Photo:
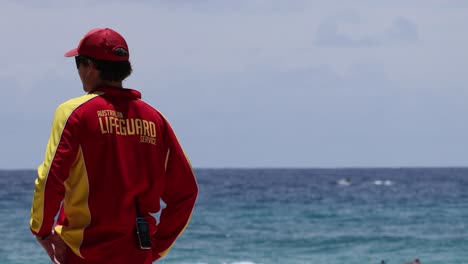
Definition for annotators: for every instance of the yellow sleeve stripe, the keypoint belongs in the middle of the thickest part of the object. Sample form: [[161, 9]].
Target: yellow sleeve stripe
[[62, 114], [167, 159], [76, 205]]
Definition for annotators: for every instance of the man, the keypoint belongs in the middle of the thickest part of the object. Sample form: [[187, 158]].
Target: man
[[109, 161]]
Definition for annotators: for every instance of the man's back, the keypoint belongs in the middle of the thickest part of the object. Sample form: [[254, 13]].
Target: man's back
[[116, 149], [119, 160]]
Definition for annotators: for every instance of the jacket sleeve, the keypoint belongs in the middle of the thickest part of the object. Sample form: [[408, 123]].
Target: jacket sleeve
[[179, 195], [60, 153]]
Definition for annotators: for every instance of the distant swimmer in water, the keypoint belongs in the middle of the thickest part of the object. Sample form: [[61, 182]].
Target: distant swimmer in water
[[382, 262], [416, 261]]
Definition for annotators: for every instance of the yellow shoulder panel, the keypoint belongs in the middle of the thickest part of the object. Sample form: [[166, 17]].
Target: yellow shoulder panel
[[62, 114]]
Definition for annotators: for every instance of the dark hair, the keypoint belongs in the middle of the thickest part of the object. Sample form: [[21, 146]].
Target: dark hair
[[113, 71]]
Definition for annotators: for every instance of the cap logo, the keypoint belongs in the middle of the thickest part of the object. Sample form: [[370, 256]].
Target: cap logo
[[120, 52]]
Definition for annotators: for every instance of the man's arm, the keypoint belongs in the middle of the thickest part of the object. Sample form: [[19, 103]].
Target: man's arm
[[60, 153], [180, 193]]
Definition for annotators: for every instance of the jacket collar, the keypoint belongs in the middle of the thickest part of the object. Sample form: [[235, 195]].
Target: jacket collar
[[115, 91]]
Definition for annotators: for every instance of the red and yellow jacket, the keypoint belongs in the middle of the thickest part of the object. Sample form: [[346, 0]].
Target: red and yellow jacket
[[105, 149]]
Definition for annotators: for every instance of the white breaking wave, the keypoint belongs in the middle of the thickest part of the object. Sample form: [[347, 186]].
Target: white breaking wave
[[386, 182], [344, 182]]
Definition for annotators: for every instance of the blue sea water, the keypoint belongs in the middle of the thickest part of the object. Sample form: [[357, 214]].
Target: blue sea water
[[253, 216]]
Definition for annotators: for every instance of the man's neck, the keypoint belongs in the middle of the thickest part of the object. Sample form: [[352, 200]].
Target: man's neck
[[104, 84], [111, 84]]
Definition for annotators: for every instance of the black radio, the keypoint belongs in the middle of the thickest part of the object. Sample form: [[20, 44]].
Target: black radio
[[142, 232]]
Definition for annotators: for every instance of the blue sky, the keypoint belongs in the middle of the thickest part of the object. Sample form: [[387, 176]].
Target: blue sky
[[257, 83]]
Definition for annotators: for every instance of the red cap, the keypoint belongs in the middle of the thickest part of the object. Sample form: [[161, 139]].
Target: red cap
[[101, 43]]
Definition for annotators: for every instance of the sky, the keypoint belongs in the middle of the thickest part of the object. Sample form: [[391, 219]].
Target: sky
[[257, 83]]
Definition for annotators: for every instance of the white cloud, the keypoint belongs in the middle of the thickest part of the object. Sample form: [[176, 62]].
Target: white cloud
[[344, 32]]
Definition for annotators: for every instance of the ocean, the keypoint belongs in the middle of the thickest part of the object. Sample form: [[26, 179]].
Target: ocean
[[294, 216]]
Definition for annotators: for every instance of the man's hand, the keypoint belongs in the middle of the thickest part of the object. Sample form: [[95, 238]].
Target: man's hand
[[55, 247]]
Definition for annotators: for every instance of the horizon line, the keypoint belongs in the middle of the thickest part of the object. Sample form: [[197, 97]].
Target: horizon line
[[296, 168]]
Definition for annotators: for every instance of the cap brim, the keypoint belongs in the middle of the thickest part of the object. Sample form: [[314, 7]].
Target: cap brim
[[72, 53]]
